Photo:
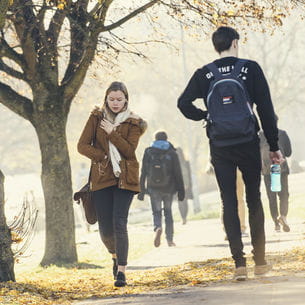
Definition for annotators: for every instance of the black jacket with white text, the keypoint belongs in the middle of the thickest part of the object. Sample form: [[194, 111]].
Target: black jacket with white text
[[257, 87]]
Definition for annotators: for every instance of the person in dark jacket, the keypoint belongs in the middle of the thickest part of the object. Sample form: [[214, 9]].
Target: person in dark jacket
[[228, 155], [161, 178], [285, 147], [187, 178]]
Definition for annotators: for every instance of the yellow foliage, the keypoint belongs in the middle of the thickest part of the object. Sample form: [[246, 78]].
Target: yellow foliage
[[56, 285], [230, 13], [16, 238], [215, 16], [61, 6]]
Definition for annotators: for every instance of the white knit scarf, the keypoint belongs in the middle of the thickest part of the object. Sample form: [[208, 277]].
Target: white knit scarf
[[115, 156]]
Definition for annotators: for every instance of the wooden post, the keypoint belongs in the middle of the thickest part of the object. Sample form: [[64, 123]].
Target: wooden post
[[6, 254]]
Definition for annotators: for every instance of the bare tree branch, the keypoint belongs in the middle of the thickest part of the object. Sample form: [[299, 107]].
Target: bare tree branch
[[9, 52], [55, 26], [42, 12], [72, 84], [128, 17], [83, 3], [10, 71], [95, 9], [144, 42], [40, 54], [79, 40], [15, 102], [124, 44], [47, 54], [24, 22], [101, 10]]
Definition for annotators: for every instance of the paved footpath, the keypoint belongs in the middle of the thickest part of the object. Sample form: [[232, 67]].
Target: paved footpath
[[204, 239], [275, 291]]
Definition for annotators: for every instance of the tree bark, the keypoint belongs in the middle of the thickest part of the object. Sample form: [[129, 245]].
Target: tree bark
[[60, 246], [3, 9], [6, 254]]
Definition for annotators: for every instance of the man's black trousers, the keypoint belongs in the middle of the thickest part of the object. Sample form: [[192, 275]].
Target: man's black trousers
[[225, 161]]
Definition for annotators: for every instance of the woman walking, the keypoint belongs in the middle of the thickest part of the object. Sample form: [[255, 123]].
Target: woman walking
[[110, 139]]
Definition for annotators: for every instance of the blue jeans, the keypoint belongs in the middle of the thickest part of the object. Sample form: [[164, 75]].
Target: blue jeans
[[156, 199]]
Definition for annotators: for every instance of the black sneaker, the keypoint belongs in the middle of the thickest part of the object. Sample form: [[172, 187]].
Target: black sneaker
[[171, 243], [120, 280], [283, 221], [157, 240], [277, 227], [114, 268]]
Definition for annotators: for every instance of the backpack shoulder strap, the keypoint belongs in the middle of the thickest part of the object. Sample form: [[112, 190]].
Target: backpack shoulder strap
[[150, 153], [214, 69], [238, 66]]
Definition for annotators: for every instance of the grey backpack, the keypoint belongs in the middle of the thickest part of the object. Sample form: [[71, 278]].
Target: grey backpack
[[159, 169]]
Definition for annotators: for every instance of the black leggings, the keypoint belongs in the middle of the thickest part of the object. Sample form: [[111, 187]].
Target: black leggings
[[112, 206]]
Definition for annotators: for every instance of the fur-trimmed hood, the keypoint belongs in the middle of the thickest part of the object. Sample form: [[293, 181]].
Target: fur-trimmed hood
[[133, 118]]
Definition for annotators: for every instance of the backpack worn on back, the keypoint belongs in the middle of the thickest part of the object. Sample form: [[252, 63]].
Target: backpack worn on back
[[159, 163], [230, 117]]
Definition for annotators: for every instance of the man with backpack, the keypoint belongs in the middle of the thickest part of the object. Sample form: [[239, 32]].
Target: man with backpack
[[161, 178], [230, 87]]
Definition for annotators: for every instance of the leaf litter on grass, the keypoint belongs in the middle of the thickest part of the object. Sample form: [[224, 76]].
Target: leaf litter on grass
[[54, 285]]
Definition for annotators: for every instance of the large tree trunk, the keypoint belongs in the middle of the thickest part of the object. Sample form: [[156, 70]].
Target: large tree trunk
[[6, 254], [60, 245]]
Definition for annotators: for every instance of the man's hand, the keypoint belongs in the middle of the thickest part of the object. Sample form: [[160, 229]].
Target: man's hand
[[276, 157], [210, 169], [181, 195]]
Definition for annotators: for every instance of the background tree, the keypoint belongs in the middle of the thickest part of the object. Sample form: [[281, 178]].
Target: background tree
[[281, 68], [282, 61], [30, 49]]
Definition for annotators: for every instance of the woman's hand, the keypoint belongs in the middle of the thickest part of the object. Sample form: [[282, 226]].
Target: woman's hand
[[107, 126]]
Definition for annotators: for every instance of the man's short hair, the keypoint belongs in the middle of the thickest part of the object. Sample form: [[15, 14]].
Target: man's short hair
[[222, 38], [161, 135]]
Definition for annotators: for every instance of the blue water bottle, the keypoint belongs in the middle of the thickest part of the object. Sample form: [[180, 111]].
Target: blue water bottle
[[275, 173]]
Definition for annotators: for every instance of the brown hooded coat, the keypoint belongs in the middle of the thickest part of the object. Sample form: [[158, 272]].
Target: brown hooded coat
[[125, 137]]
